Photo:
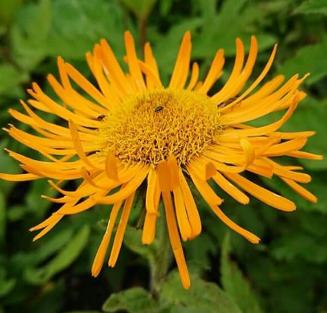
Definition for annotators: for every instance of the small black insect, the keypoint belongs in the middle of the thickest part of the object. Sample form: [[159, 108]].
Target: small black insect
[[101, 117], [158, 109], [227, 102]]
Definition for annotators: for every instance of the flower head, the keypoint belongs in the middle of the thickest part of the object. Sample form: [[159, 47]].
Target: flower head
[[130, 130]]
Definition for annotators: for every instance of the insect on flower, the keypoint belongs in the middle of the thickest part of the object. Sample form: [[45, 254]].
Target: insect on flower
[[201, 138], [226, 103], [158, 108], [101, 117]]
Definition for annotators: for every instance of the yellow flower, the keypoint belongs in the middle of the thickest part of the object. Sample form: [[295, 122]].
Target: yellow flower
[[131, 130]]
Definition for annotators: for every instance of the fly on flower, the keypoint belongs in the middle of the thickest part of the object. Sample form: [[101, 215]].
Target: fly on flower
[[130, 130]]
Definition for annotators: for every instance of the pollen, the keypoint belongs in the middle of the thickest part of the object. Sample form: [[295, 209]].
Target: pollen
[[149, 127]]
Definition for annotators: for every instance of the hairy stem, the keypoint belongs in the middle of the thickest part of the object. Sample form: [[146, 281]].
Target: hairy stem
[[163, 256], [142, 30]]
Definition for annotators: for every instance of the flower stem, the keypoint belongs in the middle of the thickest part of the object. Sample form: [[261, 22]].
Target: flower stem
[[142, 30], [163, 257]]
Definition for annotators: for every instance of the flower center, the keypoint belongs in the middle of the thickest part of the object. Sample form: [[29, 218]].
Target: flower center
[[149, 127]]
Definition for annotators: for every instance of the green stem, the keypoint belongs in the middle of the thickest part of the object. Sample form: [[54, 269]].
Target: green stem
[[142, 30], [160, 263]]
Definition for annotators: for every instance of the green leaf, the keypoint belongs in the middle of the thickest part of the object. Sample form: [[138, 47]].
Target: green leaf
[[84, 23], [300, 245], [165, 6], [2, 31], [235, 284], [133, 240], [34, 202], [51, 299], [54, 243], [29, 39], [83, 312], [313, 223], [185, 309], [7, 10], [10, 78], [6, 284], [7, 163], [16, 213], [201, 297], [200, 249], [134, 300], [311, 115], [64, 259], [309, 59], [219, 32], [140, 8], [313, 7], [3, 218]]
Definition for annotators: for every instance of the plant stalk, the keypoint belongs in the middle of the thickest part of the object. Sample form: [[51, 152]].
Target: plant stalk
[[142, 30], [163, 257]]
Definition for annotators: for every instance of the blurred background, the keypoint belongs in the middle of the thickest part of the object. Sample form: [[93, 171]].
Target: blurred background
[[286, 273]]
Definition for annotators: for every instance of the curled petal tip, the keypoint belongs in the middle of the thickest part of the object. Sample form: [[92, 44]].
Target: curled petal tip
[[128, 34], [246, 201], [314, 200]]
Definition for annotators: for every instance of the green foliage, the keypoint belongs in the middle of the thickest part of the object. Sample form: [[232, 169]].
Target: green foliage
[[83, 312], [7, 10], [29, 40], [201, 297], [133, 240], [311, 113], [134, 300], [65, 257], [300, 245], [140, 8], [307, 57], [2, 219], [86, 23], [313, 7], [235, 284], [6, 284], [10, 77], [217, 27]]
